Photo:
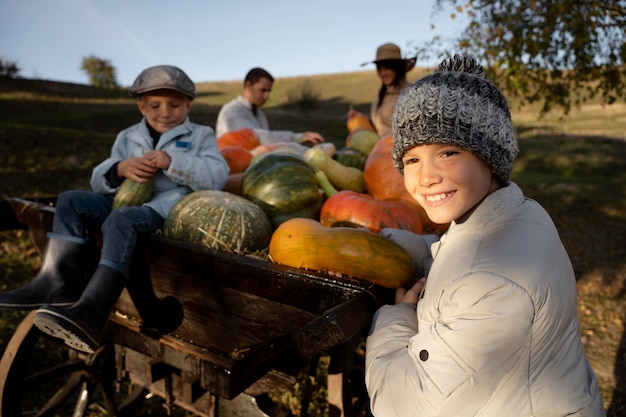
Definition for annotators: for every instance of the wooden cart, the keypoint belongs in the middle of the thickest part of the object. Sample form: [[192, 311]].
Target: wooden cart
[[250, 326]]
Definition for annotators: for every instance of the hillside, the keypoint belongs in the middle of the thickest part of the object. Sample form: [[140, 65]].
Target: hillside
[[336, 93], [52, 134]]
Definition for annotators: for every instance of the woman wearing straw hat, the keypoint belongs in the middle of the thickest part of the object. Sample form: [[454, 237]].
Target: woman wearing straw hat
[[392, 69]]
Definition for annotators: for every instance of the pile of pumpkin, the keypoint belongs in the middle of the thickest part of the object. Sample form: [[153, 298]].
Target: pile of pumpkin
[[318, 207]]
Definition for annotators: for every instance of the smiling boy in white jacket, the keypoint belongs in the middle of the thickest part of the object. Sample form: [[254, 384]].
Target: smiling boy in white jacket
[[492, 330]]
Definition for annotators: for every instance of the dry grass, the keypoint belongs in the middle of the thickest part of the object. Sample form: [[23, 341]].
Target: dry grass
[[581, 182], [587, 120], [51, 135]]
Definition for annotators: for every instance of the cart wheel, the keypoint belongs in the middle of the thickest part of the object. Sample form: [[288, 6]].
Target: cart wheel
[[41, 377]]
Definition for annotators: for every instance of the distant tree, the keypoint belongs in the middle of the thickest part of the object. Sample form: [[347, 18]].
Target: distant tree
[[100, 71], [9, 68], [560, 52]]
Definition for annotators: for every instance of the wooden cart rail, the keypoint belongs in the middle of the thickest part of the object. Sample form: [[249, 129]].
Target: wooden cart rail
[[247, 322]]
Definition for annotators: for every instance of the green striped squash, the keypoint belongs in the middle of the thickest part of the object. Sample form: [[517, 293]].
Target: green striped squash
[[284, 186], [350, 157], [132, 193], [220, 220]]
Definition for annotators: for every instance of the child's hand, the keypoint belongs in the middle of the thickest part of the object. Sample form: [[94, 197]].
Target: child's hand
[[161, 159], [411, 295], [137, 169]]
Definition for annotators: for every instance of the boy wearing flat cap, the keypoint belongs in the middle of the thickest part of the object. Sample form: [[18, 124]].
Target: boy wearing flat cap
[[492, 329], [178, 156]]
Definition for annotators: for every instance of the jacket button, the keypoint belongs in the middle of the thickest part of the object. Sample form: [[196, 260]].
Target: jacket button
[[424, 355]]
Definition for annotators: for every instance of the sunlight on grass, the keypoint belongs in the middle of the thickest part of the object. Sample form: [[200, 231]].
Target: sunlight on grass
[[50, 140], [591, 119]]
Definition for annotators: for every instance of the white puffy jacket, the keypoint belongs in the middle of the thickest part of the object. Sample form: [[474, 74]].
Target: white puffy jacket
[[496, 332]]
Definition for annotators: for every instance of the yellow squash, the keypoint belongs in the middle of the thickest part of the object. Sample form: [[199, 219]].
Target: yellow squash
[[306, 243], [340, 176]]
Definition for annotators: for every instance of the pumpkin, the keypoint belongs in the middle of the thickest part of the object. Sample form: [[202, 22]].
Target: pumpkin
[[246, 138], [380, 176], [238, 158], [340, 176], [306, 243], [220, 220], [408, 215], [350, 157], [383, 181], [292, 147], [132, 193], [284, 186], [358, 120], [362, 140], [347, 208]]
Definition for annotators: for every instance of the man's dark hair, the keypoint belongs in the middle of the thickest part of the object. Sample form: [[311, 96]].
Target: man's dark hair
[[255, 74]]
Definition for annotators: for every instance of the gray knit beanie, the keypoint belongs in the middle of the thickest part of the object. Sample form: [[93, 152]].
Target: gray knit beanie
[[456, 105]]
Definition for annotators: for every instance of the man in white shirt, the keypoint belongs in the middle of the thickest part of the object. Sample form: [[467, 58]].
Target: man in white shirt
[[245, 112]]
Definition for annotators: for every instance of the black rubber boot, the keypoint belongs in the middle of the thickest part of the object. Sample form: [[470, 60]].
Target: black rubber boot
[[61, 279], [81, 325], [159, 316]]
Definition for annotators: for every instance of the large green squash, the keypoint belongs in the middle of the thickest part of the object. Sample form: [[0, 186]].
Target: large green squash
[[350, 157], [284, 186], [220, 220], [132, 193]]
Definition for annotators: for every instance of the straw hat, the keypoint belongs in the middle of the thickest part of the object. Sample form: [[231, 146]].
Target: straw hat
[[391, 52]]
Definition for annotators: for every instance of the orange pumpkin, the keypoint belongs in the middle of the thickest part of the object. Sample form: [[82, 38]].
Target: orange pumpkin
[[238, 158], [246, 138], [383, 181], [359, 121], [270, 147], [349, 208], [380, 176], [306, 243], [408, 215]]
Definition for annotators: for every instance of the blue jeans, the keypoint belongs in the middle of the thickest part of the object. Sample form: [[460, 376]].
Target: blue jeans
[[77, 210]]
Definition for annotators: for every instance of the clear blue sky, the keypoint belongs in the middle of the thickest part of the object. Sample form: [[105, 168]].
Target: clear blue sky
[[211, 40]]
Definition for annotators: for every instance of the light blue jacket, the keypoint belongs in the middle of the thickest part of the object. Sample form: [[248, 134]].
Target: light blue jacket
[[197, 163]]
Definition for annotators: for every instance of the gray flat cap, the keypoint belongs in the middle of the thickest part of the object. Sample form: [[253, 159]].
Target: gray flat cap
[[163, 77]]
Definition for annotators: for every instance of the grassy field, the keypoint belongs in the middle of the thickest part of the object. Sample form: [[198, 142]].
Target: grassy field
[[52, 134]]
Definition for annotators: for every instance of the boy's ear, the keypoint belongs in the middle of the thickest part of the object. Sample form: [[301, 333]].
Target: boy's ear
[[140, 105]]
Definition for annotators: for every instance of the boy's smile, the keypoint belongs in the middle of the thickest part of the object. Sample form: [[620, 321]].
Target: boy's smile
[[164, 109], [434, 199]]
